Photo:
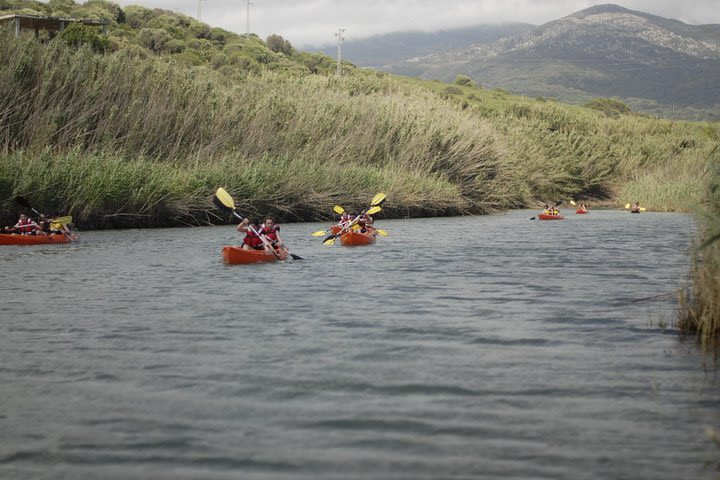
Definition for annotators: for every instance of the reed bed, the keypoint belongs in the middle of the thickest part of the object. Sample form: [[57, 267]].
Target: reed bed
[[113, 131], [106, 191], [121, 141], [699, 312]]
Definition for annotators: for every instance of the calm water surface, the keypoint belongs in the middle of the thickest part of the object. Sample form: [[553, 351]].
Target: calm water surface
[[477, 347]]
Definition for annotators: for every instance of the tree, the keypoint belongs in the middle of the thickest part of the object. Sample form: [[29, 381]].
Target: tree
[[60, 8], [276, 43], [78, 34]]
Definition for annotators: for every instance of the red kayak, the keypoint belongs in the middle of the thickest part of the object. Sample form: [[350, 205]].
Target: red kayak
[[545, 216], [15, 239], [239, 256], [580, 210], [358, 238]]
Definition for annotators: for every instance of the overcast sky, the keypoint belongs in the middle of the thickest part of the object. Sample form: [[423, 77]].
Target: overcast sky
[[313, 22]]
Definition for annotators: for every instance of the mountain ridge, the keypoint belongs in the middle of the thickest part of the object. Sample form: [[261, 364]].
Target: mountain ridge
[[657, 65]]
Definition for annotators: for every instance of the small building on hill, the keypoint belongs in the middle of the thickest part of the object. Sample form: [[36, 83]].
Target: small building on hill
[[50, 24]]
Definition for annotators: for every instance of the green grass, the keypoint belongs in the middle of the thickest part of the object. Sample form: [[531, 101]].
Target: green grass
[[699, 313], [119, 140]]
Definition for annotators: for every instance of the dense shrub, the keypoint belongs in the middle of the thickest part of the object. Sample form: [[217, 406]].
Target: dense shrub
[[611, 107], [77, 34], [464, 80]]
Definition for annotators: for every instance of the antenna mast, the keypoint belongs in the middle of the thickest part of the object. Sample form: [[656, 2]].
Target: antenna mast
[[339, 35], [247, 16]]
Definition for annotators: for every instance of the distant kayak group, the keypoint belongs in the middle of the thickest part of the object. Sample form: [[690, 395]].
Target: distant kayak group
[[552, 212]]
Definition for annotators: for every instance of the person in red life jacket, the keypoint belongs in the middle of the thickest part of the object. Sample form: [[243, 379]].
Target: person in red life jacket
[[344, 219], [252, 240], [24, 226], [365, 221], [271, 232]]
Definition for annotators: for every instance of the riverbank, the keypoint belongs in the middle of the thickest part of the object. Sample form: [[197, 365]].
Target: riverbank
[[119, 141]]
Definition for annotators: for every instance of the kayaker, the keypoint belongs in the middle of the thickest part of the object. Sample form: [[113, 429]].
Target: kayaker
[[43, 225], [57, 227], [547, 210], [365, 221], [252, 240], [344, 219], [25, 225], [635, 208], [271, 232], [352, 223]]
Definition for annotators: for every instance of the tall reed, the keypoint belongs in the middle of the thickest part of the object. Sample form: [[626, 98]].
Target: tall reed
[[700, 303], [123, 141]]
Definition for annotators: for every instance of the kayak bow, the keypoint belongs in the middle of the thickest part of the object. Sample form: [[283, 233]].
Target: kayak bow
[[358, 238], [545, 216], [15, 239], [233, 255]]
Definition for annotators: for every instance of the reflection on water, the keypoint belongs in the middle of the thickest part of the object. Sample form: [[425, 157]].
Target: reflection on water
[[473, 347]]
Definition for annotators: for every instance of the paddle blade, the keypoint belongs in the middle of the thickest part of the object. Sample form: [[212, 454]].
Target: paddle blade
[[381, 232], [572, 202], [374, 209], [627, 205], [338, 209], [295, 257], [319, 233], [21, 201], [220, 204], [225, 198], [329, 241], [63, 220], [532, 218], [642, 209], [377, 199]]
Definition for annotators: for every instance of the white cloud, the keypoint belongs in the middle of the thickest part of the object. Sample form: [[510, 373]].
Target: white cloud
[[306, 22]]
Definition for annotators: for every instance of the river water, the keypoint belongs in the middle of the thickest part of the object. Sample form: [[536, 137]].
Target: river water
[[473, 347]]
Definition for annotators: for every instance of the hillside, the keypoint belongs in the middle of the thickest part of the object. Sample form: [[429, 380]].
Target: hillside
[[131, 136], [656, 65], [383, 51], [178, 38]]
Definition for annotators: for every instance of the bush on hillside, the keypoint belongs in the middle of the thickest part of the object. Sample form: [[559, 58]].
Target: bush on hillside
[[78, 34], [464, 80], [611, 107], [278, 44]]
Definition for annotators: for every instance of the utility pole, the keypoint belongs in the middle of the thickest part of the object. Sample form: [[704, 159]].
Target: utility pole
[[340, 38], [247, 16]]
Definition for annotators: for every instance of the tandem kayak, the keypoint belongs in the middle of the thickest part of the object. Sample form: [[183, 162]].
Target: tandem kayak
[[580, 210], [545, 216], [239, 256], [15, 239], [358, 238]]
